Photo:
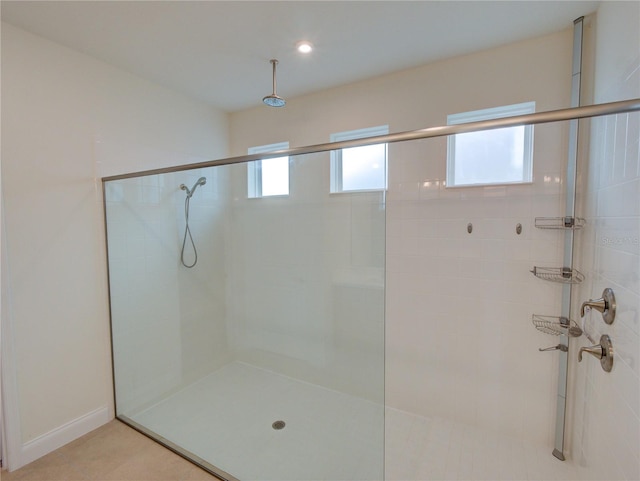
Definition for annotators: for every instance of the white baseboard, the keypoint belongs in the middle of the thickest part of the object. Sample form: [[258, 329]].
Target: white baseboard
[[60, 436]]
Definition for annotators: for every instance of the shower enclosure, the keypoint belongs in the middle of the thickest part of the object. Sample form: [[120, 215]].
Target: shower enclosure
[[352, 336]]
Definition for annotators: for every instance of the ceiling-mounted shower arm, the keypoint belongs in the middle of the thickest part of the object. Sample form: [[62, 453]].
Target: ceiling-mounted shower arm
[[274, 81], [274, 100]]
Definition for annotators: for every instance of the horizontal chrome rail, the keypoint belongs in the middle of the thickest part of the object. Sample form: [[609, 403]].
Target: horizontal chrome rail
[[596, 110]]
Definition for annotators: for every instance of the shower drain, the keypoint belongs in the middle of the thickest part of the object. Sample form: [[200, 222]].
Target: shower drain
[[278, 425]]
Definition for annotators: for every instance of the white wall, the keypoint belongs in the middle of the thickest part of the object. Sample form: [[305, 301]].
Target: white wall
[[67, 120], [459, 338], [606, 406]]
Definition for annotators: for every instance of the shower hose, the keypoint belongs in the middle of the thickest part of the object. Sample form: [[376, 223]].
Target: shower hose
[[187, 233]]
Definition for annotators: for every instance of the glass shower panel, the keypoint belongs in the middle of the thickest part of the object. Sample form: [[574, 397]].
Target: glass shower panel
[[465, 380], [266, 359]]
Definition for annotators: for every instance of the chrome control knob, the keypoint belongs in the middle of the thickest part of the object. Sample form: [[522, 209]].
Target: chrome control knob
[[596, 351], [602, 351], [606, 305]]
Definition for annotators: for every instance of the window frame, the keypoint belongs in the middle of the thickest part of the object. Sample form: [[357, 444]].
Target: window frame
[[488, 114], [335, 186], [254, 170]]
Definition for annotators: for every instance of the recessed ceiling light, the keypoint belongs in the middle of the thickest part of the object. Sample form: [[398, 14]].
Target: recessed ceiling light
[[304, 47]]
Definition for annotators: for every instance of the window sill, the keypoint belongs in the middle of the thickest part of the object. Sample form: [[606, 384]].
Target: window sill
[[501, 184], [363, 191]]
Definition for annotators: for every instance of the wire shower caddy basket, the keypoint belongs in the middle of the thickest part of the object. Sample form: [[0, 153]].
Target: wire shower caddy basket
[[556, 326], [564, 275], [574, 223]]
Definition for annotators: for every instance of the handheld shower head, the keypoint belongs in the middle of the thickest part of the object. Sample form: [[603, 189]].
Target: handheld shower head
[[187, 230], [190, 192], [200, 181]]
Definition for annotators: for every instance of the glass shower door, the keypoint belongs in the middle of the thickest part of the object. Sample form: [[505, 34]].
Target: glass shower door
[[265, 360]]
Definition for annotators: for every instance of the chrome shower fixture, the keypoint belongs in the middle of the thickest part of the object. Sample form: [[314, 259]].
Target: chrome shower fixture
[[274, 100], [187, 229], [200, 181]]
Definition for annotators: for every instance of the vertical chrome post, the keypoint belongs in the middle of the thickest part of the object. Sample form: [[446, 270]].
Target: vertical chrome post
[[570, 211]]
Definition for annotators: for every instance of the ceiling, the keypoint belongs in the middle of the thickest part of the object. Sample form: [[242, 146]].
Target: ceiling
[[219, 51]]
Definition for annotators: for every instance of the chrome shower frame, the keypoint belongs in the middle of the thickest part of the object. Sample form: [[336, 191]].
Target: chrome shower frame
[[595, 110], [568, 241]]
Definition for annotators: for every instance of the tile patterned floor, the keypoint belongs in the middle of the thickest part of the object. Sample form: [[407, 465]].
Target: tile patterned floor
[[114, 452]]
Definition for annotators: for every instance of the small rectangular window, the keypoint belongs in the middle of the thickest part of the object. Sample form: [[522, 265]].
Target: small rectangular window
[[359, 168], [268, 177], [500, 156]]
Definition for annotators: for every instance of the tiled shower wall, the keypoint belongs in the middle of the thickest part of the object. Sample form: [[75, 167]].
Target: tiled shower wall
[[460, 342], [306, 280], [606, 406]]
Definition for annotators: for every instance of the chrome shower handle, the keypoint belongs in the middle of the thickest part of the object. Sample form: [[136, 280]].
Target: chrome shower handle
[[602, 351], [596, 351], [598, 304], [606, 305]]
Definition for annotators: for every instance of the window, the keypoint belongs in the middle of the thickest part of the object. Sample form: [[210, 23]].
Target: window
[[359, 168], [268, 177], [501, 156]]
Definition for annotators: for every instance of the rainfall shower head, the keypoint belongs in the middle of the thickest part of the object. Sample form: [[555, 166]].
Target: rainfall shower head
[[200, 181], [274, 100]]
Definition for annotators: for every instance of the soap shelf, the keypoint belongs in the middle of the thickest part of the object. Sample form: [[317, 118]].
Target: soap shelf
[[556, 325], [564, 275], [559, 223]]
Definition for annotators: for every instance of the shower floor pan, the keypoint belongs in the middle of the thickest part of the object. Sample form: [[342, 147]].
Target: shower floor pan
[[231, 419]]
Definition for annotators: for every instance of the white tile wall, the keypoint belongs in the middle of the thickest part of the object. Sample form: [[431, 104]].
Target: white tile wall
[[306, 295], [460, 343], [612, 254], [605, 420]]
